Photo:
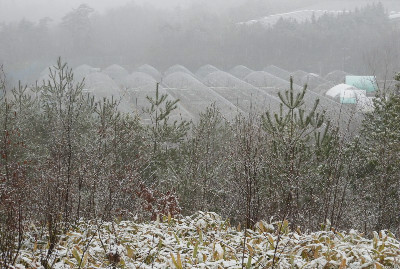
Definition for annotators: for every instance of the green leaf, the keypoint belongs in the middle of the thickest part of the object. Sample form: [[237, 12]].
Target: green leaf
[[130, 252], [248, 265], [196, 248], [76, 255]]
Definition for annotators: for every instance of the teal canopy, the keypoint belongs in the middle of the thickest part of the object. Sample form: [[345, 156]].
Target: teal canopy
[[366, 83], [351, 100]]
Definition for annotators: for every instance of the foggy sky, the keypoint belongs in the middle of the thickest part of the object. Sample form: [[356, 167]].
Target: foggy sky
[[15, 10]]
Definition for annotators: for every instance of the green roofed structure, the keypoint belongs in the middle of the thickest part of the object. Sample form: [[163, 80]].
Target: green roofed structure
[[366, 83]]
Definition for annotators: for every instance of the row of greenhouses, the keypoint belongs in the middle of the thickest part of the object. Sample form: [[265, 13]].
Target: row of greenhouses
[[238, 90]]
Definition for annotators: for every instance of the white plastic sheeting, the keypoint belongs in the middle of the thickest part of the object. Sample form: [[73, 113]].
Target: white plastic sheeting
[[116, 72], [240, 71], [336, 91], [337, 76], [139, 80], [177, 68], [82, 71], [205, 70], [313, 81], [194, 96], [278, 72], [150, 70], [101, 85], [245, 96], [264, 79], [322, 89]]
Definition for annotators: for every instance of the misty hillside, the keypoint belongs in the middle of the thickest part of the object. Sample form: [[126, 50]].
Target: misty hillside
[[358, 42], [241, 9]]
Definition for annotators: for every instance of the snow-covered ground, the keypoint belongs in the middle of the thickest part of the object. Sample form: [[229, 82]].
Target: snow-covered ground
[[205, 240]]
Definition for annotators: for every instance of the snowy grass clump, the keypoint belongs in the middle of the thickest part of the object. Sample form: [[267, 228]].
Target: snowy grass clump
[[205, 240]]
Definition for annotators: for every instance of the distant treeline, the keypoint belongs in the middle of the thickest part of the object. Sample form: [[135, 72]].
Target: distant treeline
[[359, 42]]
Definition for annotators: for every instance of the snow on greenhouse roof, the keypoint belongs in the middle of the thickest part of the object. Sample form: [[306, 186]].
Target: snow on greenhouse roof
[[337, 76], [240, 93], [101, 85], [297, 16], [194, 96], [298, 76], [335, 91], [177, 68], [322, 89], [240, 71], [394, 15], [148, 69], [182, 80], [278, 72], [263, 79], [82, 71], [139, 80], [226, 80], [116, 72], [313, 80], [205, 70]]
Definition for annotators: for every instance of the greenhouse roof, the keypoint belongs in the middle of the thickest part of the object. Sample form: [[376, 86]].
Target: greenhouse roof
[[148, 69], [194, 96], [337, 76], [240, 71], [177, 68], [323, 88], [84, 70], [256, 92], [279, 72], [298, 76], [264, 79], [299, 73], [205, 70], [243, 95], [139, 80], [313, 80], [226, 80], [182, 80], [101, 85], [116, 72], [335, 91]]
